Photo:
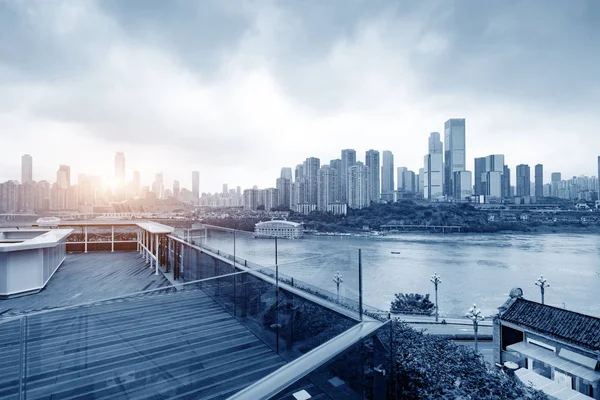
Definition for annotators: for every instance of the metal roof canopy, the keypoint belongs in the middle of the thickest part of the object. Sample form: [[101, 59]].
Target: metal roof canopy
[[155, 227]]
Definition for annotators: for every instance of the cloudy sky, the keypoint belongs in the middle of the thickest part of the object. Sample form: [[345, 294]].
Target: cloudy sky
[[238, 89]]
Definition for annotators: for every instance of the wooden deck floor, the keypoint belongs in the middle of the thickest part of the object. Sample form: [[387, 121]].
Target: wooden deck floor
[[90, 277]]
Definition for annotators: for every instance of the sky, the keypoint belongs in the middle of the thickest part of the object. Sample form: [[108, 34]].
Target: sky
[[239, 89]]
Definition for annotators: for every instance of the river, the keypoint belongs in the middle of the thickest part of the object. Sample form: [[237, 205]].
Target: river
[[475, 268]]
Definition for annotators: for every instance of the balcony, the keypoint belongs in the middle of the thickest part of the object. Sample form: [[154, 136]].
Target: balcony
[[108, 326]]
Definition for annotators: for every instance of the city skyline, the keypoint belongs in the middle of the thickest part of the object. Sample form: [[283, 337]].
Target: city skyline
[[389, 69]]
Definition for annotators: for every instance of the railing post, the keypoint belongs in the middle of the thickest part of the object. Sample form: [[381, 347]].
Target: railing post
[[276, 299], [23, 358], [112, 240], [85, 239], [360, 290], [156, 253]]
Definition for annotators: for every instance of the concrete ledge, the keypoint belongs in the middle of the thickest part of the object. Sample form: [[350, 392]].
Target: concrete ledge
[[464, 336]]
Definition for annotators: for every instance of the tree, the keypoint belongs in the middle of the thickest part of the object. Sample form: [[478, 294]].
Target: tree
[[432, 367], [412, 303]]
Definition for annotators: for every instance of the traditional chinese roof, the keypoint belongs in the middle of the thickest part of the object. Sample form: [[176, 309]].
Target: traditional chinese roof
[[564, 325]]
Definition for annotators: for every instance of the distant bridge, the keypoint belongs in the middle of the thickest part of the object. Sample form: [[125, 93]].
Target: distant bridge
[[434, 228]]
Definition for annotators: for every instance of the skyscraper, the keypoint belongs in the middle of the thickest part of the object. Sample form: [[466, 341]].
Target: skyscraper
[[539, 180], [286, 172], [433, 169], [387, 176], [373, 169], [455, 153], [348, 160], [555, 179], [326, 182], [63, 177], [479, 173], [337, 188], [311, 171], [120, 169], [400, 181], [285, 189], [176, 190], [225, 189], [357, 186], [463, 185], [196, 185], [27, 168], [158, 186], [598, 176], [506, 182], [523, 180], [492, 177]]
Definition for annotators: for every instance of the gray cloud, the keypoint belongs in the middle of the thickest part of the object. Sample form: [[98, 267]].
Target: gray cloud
[[270, 83]]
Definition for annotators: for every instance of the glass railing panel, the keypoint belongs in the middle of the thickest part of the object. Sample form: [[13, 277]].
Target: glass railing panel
[[11, 350]]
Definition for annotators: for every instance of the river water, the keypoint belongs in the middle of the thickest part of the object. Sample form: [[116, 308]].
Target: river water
[[475, 268]]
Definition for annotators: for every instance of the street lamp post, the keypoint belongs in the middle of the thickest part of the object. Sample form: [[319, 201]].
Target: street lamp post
[[474, 314], [436, 280], [337, 278], [542, 283]]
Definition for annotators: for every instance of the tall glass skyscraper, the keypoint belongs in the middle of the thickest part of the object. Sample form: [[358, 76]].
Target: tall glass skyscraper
[[539, 180], [433, 170], [455, 153], [523, 180], [387, 176]]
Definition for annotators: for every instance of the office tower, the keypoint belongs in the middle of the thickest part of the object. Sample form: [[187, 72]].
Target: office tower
[[158, 187], [63, 177], [400, 180], [435, 143], [373, 170], [196, 185], [336, 165], [286, 173], [523, 180], [479, 175], [176, 190], [387, 177], [348, 160], [463, 186], [433, 170], [26, 168], [455, 153], [225, 189], [506, 182], [311, 172], [421, 181], [120, 169], [299, 172], [285, 189], [555, 179], [327, 178], [491, 179], [409, 181], [357, 186], [598, 176], [539, 180]]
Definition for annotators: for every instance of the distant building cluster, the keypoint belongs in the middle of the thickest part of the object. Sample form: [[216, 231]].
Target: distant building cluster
[[347, 183]]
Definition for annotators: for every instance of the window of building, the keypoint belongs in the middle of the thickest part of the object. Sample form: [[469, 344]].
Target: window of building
[[510, 336]]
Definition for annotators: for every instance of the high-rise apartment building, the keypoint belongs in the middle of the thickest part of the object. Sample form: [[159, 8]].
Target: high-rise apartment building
[[433, 170], [311, 172], [387, 177], [357, 186], [326, 181], [420, 182], [539, 181], [26, 168], [455, 153], [491, 179], [479, 172], [348, 160], [598, 176], [158, 186], [225, 189], [400, 181], [336, 165], [373, 169], [523, 180], [286, 173], [409, 181], [196, 185]]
